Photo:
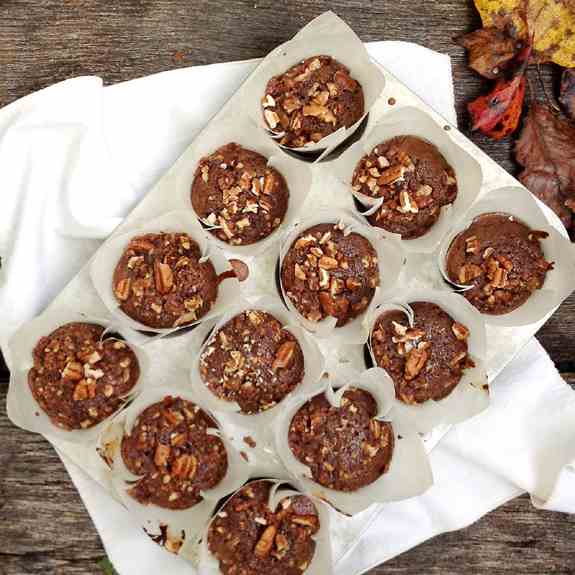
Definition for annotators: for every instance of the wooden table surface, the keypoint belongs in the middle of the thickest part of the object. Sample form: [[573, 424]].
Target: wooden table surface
[[44, 527]]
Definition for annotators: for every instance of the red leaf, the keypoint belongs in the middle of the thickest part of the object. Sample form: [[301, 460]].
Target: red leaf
[[497, 114], [567, 94], [546, 149], [490, 50]]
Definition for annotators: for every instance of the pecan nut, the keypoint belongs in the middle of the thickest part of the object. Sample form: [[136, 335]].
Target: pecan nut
[[460, 331], [416, 360], [284, 355], [163, 277], [73, 370], [266, 541], [122, 289], [161, 455], [185, 466]]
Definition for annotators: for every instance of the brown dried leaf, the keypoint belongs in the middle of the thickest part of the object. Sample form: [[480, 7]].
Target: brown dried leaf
[[490, 50], [546, 149], [567, 93]]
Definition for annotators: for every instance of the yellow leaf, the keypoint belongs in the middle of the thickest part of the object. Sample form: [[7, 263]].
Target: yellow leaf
[[550, 22]]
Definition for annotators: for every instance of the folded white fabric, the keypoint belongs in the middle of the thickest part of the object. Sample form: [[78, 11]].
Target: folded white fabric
[[75, 157]]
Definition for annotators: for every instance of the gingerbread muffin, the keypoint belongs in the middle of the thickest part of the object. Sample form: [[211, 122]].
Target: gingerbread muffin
[[160, 282], [236, 192], [426, 360], [253, 361], [171, 451], [345, 448], [249, 538], [414, 180], [311, 100], [79, 377], [502, 261], [329, 272]]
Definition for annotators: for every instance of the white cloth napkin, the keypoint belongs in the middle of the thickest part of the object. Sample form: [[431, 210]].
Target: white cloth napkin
[[75, 157]]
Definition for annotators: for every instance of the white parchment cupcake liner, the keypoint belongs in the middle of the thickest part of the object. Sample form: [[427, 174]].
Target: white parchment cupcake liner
[[107, 257], [184, 525], [409, 121], [260, 423], [321, 564], [520, 204], [22, 408], [471, 395], [240, 130], [391, 260], [327, 35], [409, 472]]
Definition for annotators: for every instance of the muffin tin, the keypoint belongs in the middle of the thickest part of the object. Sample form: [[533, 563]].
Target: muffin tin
[[170, 356]]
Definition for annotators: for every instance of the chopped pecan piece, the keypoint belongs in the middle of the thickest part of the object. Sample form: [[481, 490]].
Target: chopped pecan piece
[[266, 541], [472, 245], [469, 272], [185, 466], [141, 245], [391, 175], [321, 112], [84, 390], [122, 289], [416, 360], [328, 263], [73, 370], [163, 277], [284, 355], [161, 455], [460, 331], [271, 118]]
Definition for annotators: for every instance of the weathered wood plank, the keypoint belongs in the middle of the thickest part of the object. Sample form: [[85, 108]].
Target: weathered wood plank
[[43, 525]]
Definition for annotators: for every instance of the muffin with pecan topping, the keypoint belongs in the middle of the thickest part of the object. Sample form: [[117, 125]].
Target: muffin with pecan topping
[[328, 272], [79, 377], [249, 538], [161, 282], [425, 360], [172, 452], [253, 361], [344, 447], [311, 100], [414, 181], [238, 195], [501, 260]]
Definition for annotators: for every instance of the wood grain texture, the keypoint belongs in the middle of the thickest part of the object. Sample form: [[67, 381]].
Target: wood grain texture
[[43, 525]]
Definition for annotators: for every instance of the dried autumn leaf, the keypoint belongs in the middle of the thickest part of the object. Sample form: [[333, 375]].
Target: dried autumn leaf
[[549, 22], [497, 114], [490, 50], [546, 150], [567, 93]]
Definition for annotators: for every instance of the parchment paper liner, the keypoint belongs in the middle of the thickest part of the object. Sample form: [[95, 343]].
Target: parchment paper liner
[[189, 522], [391, 260], [107, 257], [321, 563], [559, 282], [410, 121], [260, 423], [326, 35], [409, 473], [471, 395], [236, 128], [21, 405]]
